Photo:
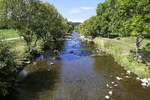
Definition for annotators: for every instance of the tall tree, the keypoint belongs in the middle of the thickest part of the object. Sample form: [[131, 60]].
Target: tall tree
[[36, 21]]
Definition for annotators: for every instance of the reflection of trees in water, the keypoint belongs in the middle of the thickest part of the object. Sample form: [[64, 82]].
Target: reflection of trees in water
[[54, 48], [40, 81], [107, 66]]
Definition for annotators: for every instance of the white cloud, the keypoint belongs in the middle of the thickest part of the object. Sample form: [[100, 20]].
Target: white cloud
[[80, 9], [87, 8]]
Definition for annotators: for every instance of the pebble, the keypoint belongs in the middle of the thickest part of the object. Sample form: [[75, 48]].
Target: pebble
[[144, 80], [118, 78], [137, 78], [143, 84], [107, 97], [116, 85], [128, 72], [107, 85], [127, 76], [113, 82], [110, 92], [51, 63], [27, 62]]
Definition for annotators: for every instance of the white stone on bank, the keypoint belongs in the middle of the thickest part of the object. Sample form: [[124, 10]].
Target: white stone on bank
[[110, 92], [51, 63], [116, 85], [118, 78], [144, 80], [107, 97], [113, 82], [137, 78], [128, 72], [143, 84], [107, 85]]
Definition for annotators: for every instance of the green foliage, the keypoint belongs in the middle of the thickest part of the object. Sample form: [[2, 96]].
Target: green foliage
[[90, 26], [131, 58], [70, 26], [3, 19], [8, 69], [35, 21], [147, 47], [120, 18]]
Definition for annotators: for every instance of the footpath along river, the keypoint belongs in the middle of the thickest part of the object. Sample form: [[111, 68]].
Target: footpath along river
[[78, 75]]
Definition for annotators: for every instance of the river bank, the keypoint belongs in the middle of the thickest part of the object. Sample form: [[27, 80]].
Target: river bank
[[121, 51]]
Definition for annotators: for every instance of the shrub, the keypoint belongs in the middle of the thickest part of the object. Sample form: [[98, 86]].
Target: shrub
[[147, 47], [8, 69]]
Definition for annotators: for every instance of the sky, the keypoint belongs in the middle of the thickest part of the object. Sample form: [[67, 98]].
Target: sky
[[75, 10]]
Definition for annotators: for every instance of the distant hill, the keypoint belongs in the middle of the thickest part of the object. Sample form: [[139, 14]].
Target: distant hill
[[76, 23]]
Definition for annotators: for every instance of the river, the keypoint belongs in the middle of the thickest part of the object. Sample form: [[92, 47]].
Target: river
[[79, 75]]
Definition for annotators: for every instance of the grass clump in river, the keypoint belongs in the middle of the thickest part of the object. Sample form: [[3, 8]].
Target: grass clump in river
[[121, 51]]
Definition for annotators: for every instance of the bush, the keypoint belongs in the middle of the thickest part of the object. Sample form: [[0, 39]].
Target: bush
[[8, 69], [147, 47]]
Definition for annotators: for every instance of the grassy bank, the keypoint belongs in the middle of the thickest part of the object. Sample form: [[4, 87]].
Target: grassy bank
[[8, 33], [18, 46], [121, 51]]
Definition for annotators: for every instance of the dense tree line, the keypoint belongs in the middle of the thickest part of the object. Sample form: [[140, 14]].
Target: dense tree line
[[36, 22], [119, 18]]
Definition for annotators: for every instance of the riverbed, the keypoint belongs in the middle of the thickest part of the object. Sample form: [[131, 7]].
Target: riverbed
[[79, 73]]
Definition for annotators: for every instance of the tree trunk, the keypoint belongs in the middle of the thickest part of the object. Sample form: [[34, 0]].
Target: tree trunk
[[137, 47], [138, 44]]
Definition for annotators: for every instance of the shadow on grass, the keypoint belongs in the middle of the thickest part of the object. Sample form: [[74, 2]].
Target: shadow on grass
[[145, 56]]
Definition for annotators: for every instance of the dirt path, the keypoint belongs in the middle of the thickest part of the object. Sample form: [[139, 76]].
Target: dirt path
[[10, 39]]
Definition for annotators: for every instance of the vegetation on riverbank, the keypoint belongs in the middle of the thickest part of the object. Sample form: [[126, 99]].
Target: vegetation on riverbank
[[17, 46], [8, 69], [121, 51], [124, 28], [38, 23]]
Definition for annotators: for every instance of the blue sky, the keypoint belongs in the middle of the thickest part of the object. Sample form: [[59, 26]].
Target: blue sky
[[76, 10]]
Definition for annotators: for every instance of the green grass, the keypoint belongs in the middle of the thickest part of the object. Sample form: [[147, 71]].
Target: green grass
[[18, 46], [8, 33], [120, 50]]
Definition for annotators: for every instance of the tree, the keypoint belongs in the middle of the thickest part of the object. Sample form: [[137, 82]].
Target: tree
[[136, 19], [3, 16], [120, 18], [36, 21]]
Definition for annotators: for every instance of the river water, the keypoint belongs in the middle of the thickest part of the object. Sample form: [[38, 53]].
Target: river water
[[79, 75]]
